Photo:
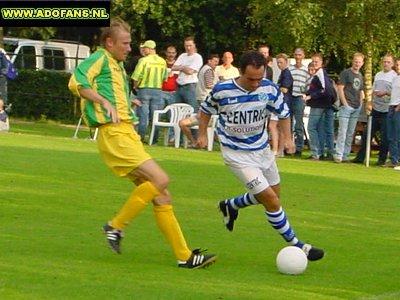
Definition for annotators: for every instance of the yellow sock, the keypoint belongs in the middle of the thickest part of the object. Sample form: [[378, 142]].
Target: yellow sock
[[138, 200], [169, 226]]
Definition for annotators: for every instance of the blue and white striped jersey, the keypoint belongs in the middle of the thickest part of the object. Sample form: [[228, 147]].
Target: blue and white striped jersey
[[242, 114]]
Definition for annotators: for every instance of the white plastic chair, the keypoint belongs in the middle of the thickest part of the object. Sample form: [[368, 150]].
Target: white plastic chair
[[178, 111], [75, 136], [210, 133]]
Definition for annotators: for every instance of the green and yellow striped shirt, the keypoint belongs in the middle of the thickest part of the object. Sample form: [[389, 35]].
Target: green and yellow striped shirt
[[150, 72], [102, 73]]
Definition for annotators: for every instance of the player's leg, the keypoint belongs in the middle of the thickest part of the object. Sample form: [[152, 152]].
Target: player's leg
[[229, 208], [242, 164], [276, 215], [150, 171], [122, 151]]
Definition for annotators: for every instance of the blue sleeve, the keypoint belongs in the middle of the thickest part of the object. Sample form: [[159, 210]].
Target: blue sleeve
[[286, 80], [3, 64], [210, 105]]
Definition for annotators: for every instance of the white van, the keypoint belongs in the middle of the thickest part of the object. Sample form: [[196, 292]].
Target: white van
[[55, 55]]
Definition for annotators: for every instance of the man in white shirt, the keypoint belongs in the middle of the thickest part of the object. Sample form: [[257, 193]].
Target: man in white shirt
[[188, 64], [393, 119]]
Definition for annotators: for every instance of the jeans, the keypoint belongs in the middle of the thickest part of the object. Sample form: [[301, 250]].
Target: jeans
[[393, 134], [151, 100], [326, 133], [320, 130], [168, 99], [296, 107], [378, 124], [3, 88], [348, 117], [187, 94]]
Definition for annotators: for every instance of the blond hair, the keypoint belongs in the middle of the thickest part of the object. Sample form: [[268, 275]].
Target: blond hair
[[116, 25], [358, 54], [282, 55]]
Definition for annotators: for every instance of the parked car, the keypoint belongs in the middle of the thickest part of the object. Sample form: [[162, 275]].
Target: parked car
[[55, 55]]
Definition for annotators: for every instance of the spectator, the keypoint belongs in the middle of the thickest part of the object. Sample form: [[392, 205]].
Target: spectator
[[188, 64], [3, 72], [311, 72], [268, 73], [380, 106], [296, 106], [169, 86], [320, 123], [226, 70], [393, 119], [4, 122], [285, 83], [148, 77], [207, 80], [350, 89]]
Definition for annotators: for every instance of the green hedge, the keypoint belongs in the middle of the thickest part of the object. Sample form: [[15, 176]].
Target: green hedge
[[42, 95]]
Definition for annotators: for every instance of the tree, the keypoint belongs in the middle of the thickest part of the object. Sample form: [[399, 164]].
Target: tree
[[38, 33], [335, 28], [285, 25], [359, 27], [217, 25]]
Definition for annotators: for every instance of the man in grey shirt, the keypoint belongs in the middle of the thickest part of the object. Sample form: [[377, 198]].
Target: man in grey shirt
[[380, 106], [350, 89]]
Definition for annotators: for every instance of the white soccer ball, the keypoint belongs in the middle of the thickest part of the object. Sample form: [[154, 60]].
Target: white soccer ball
[[291, 260]]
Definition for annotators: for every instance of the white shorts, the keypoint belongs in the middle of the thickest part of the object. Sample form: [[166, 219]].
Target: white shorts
[[257, 170]]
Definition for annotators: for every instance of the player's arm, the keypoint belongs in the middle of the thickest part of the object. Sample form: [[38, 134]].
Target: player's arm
[[81, 83], [284, 125], [93, 96]]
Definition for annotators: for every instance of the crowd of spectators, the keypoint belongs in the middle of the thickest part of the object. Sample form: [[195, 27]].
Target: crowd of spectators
[[185, 79]]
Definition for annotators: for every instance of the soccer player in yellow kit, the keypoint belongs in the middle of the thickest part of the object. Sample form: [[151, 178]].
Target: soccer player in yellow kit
[[102, 83]]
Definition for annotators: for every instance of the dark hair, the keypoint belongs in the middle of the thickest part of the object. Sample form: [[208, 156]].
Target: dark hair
[[213, 55], [263, 46], [251, 58]]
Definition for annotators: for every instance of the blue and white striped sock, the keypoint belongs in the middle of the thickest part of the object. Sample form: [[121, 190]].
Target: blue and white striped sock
[[242, 201], [280, 223]]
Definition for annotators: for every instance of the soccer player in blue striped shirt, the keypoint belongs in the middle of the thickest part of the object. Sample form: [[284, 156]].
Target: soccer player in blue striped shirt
[[243, 104]]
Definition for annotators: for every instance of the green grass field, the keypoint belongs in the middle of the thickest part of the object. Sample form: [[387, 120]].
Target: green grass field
[[56, 194]]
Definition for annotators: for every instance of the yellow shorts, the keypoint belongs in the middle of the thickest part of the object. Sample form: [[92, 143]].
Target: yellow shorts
[[121, 148]]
